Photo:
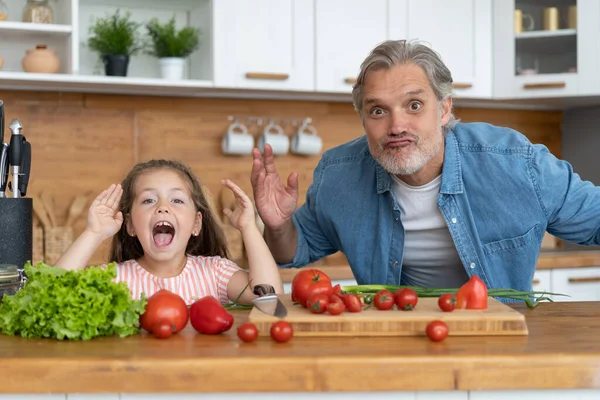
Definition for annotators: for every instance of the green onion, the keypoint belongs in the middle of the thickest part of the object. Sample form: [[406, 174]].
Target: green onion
[[531, 298]]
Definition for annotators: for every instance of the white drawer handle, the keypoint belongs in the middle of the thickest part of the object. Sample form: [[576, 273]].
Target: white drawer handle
[[590, 279]]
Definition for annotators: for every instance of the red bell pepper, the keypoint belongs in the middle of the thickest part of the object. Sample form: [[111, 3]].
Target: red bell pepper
[[208, 315], [472, 295]]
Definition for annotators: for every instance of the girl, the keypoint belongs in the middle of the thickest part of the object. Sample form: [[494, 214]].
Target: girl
[[168, 238]]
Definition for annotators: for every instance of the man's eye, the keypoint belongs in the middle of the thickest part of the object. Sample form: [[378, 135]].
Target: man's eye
[[415, 106], [376, 111]]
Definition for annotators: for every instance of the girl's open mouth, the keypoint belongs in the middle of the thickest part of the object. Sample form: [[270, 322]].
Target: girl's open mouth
[[163, 233]]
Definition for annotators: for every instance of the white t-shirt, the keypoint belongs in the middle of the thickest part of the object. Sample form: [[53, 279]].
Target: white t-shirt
[[430, 258]]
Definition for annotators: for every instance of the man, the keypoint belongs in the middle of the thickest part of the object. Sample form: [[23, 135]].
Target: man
[[422, 199]]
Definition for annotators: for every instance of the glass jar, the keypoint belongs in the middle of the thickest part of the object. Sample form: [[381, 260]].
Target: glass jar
[[10, 280], [38, 11], [3, 11]]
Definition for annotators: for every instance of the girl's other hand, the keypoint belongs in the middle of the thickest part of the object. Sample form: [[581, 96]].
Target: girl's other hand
[[104, 219], [242, 216]]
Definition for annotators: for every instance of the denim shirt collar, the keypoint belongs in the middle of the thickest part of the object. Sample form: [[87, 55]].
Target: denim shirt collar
[[452, 182]]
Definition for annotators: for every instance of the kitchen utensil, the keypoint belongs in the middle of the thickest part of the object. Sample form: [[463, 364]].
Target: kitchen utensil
[[3, 169], [25, 168], [15, 154], [550, 19], [1, 121], [268, 302], [77, 207], [497, 319]]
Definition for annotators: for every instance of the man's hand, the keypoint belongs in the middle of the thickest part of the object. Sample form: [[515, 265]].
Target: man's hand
[[275, 203]]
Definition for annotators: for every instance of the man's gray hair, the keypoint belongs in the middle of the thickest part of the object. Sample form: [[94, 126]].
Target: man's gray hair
[[391, 53]]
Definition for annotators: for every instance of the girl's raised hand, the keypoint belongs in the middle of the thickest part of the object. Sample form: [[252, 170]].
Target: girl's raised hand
[[242, 216], [104, 219]]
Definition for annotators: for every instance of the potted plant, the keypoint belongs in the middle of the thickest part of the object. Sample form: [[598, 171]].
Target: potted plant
[[171, 46], [115, 38]]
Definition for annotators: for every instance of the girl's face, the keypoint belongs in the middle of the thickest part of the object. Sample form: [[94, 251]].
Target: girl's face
[[163, 215]]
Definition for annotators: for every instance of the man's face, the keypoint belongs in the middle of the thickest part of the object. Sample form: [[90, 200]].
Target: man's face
[[403, 119]]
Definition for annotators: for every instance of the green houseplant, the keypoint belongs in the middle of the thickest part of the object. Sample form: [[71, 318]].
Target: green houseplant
[[171, 46], [116, 38]]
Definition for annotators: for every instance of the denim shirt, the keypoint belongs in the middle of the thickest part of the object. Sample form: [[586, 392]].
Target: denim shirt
[[499, 194]]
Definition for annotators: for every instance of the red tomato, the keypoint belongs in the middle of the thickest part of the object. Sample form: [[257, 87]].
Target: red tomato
[[247, 332], [163, 329], [337, 289], [472, 295], [336, 305], [406, 299], [310, 281], [317, 303], [384, 300], [168, 306], [447, 302], [352, 302], [281, 331], [437, 330]]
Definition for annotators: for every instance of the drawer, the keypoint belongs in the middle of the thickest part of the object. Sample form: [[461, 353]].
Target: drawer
[[581, 284]]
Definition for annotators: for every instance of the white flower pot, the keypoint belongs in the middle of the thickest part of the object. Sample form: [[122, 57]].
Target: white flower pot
[[172, 68]]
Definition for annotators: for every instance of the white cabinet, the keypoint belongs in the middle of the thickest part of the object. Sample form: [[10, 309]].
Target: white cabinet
[[345, 32], [581, 284], [466, 49], [17, 37], [539, 52], [264, 44]]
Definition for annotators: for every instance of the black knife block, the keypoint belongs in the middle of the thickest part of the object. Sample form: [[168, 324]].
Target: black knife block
[[16, 231]]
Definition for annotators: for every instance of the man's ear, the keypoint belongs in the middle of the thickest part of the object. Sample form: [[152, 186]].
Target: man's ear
[[129, 225], [446, 110], [197, 224]]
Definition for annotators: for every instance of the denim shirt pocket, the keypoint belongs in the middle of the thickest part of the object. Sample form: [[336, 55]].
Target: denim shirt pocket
[[515, 243]]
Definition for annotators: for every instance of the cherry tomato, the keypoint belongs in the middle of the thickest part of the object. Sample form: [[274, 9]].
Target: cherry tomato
[[163, 329], [437, 330], [447, 302], [317, 303], [352, 302], [337, 289], [336, 305], [247, 332], [384, 300], [406, 299], [281, 331]]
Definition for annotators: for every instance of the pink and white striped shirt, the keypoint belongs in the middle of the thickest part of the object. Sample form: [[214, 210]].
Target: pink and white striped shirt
[[201, 276]]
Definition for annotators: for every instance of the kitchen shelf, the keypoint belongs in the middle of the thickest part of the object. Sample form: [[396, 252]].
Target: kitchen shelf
[[100, 83], [546, 34], [20, 28]]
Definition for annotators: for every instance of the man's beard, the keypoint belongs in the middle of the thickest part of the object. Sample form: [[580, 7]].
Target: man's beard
[[395, 163]]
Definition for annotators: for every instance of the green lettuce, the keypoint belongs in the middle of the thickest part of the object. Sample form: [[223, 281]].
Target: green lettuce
[[82, 304]]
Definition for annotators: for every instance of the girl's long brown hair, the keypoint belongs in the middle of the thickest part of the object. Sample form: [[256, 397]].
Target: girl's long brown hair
[[210, 242]]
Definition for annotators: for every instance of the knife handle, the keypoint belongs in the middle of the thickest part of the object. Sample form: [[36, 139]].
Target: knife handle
[[25, 167], [263, 290]]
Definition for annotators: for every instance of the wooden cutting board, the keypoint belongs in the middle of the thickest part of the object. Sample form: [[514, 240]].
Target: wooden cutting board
[[497, 319]]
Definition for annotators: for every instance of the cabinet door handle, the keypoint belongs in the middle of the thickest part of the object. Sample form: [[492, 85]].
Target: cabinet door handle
[[590, 279], [350, 81], [458, 85], [548, 85], [536, 282], [263, 75]]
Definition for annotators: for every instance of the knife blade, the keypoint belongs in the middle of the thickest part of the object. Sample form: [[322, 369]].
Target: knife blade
[[1, 121], [268, 302]]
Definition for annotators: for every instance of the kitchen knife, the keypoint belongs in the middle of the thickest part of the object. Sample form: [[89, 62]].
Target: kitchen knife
[[15, 154], [25, 167], [268, 302], [1, 121], [3, 169]]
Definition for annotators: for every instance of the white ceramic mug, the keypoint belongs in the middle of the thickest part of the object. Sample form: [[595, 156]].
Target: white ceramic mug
[[276, 137], [306, 142], [237, 140]]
